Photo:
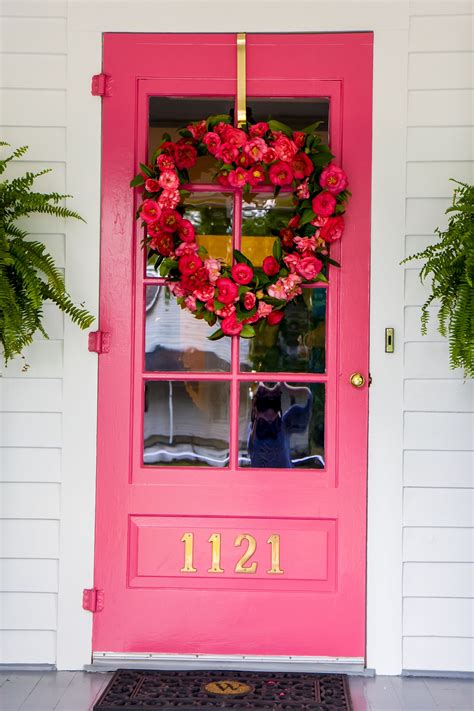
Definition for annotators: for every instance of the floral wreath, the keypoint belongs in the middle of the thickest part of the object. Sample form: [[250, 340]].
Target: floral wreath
[[242, 297]]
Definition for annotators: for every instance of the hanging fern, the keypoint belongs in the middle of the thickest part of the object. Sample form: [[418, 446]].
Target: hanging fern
[[28, 274], [450, 263]]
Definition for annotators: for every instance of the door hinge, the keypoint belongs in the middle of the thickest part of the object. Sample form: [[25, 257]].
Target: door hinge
[[99, 342], [93, 599], [100, 85], [369, 381]]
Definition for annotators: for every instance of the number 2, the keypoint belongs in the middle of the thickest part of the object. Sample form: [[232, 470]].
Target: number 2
[[251, 548]]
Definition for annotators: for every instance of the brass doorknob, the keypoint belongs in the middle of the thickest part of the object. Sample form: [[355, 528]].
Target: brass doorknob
[[357, 380]]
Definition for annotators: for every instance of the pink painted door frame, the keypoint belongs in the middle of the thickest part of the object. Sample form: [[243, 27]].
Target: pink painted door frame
[[317, 608]]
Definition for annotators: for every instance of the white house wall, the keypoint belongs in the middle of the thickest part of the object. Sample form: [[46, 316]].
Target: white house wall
[[420, 598]]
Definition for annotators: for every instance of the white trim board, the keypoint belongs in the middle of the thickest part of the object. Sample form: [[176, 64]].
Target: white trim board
[[389, 21]]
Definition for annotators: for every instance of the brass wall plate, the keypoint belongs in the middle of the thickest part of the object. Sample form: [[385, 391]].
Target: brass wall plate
[[389, 340]]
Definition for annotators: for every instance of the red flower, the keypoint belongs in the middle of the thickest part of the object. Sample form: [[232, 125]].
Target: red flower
[[287, 236], [270, 156], [227, 152], [195, 280], [324, 204], [170, 220], [333, 179], [165, 161], [162, 243], [243, 161], [258, 130], [197, 130], [309, 267], [256, 175], [302, 166], [242, 273], [235, 136], [227, 291], [285, 148], [221, 129], [332, 229], [212, 141], [205, 293], [186, 231], [249, 300], [189, 263], [238, 178], [280, 173], [230, 326], [294, 222], [299, 138], [150, 211], [185, 155], [270, 266], [152, 186], [275, 317], [223, 178]]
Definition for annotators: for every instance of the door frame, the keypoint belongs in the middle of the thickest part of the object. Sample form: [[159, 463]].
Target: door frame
[[385, 425]]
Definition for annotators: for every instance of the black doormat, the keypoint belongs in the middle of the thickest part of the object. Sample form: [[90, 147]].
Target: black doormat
[[129, 690]]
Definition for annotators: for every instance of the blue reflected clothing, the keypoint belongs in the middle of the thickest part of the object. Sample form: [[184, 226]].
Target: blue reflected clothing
[[269, 440]]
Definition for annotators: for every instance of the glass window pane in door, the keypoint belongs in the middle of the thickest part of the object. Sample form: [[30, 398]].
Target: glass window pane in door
[[262, 216]]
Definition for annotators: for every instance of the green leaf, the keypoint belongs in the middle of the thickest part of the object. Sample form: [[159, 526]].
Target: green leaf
[[145, 169], [137, 180], [276, 191], [218, 118], [241, 258], [248, 331], [312, 127], [277, 251], [307, 216], [278, 126], [216, 335]]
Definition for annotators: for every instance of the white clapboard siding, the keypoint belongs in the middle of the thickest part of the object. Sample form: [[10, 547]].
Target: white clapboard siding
[[415, 244], [438, 544], [44, 143], [34, 8], [26, 71], [29, 539], [33, 464], [28, 611], [416, 291], [428, 180], [439, 430], [25, 500], [452, 654], [28, 575], [429, 360], [34, 35], [439, 617], [54, 244], [424, 215], [439, 395], [446, 107], [427, 468], [440, 71], [43, 358], [424, 506], [435, 143], [413, 325], [438, 580], [23, 107], [441, 7], [28, 647], [33, 395], [53, 322], [54, 181], [441, 34], [34, 429]]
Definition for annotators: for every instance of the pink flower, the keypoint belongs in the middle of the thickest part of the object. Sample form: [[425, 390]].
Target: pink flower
[[285, 148], [302, 166], [264, 309], [230, 326], [170, 220], [212, 141], [258, 130], [275, 317], [302, 191], [256, 175], [227, 152], [186, 231], [152, 186], [333, 179], [332, 229], [213, 267], [299, 138], [270, 156], [235, 136], [305, 244], [309, 267], [249, 300], [189, 263], [165, 162], [205, 293], [197, 130], [185, 155], [210, 305], [226, 311], [255, 149], [270, 266], [292, 261], [150, 211], [186, 248], [168, 180], [190, 302], [177, 289], [242, 273], [238, 177], [227, 290], [169, 199], [324, 204], [280, 173], [292, 287]]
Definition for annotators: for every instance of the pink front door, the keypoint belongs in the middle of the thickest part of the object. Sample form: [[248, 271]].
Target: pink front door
[[214, 535]]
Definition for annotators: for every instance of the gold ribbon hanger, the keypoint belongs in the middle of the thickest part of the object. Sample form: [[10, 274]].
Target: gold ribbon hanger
[[241, 81]]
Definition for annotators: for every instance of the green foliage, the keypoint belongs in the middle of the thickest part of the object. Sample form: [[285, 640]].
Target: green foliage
[[450, 264], [28, 274]]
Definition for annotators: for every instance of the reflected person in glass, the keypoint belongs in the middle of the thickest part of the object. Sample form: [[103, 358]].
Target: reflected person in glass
[[270, 428]]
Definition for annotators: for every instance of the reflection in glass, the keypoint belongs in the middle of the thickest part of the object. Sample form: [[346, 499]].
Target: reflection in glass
[[186, 423], [211, 215], [176, 341], [295, 112], [281, 425], [296, 344], [262, 216]]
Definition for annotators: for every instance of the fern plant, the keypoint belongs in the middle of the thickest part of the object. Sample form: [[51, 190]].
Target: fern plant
[[28, 274], [450, 263]]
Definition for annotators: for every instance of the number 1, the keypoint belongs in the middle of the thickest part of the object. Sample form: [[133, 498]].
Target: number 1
[[274, 541], [188, 540]]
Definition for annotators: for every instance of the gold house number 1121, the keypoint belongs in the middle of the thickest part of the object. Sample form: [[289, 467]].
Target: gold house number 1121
[[243, 565]]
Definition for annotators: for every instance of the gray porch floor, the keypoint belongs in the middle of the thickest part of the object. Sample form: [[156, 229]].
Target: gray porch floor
[[76, 691]]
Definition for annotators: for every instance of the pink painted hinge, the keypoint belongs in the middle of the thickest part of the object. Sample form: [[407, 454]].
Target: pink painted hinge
[[99, 342], [93, 599], [100, 85]]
